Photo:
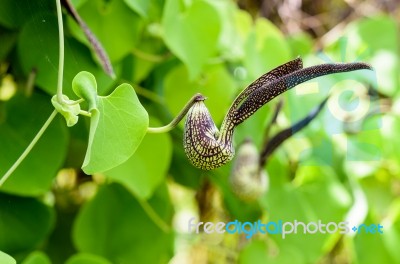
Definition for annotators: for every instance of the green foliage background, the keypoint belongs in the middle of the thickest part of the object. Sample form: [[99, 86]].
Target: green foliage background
[[137, 212]]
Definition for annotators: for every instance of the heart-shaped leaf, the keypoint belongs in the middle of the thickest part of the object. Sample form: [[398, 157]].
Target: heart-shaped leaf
[[117, 127], [191, 32]]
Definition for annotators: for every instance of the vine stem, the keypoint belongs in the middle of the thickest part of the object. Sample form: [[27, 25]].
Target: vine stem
[[196, 98], [61, 53], [157, 220], [29, 148]]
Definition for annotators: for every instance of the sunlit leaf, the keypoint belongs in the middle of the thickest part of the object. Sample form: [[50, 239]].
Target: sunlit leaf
[[265, 48], [37, 257], [147, 168], [216, 84], [85, 258], [115, 25], [190, 37], [114, 225], [139, 6], [117, 127], [6, 259]]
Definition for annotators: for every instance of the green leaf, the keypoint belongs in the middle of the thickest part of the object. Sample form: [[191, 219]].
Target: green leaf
[[301, 44], [96, 46], [390, 129], [24, 223], [255, 126], [238, 209], [370, 248], [265, 49], [37, 257], [85, 258], [317, 195], [14, 14], [115, 25], [84, 85], [38, 49], [6, 259], [231, 44], [256, 252], [24, 118], [117, 127], [216, 84], [114, 225], [147, 168], [191, 37], [380, 51], [139, 6], [8, 40]]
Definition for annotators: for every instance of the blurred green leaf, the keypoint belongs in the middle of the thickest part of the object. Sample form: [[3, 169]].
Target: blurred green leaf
[[254, 252], [85, 258], [238, 209], [316, 195], [231, 45], [255, 126], [139, 6], [370, 248], [191, 37], [301, 44], [114, 225], [14, 14], [265, 48], [37, 257], [38, 50], [19, 232], [117, 127], [8, 40], [382, 51], [257, 252], [114, 23], [6, 259], [24, 118], [216, 84], [147, 168], [390, 133]]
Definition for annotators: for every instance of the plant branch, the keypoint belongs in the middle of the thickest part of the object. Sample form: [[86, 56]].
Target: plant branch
[[29, 148], [94, 42], [157, 220], [60, 98], [179, 117], [277, 110], [281, 136]]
